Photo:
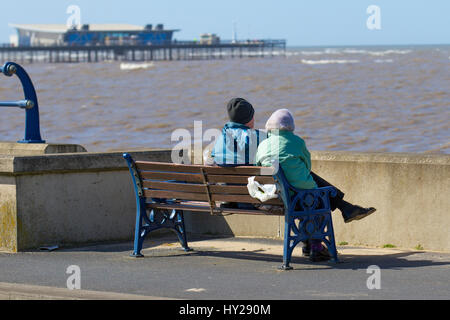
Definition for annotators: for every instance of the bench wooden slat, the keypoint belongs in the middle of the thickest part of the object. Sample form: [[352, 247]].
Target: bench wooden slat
[[206, 208], [228, 189], [241, 170], [181, 206], [212, 178], [241, 199], [186, 187], [175, 195], [167, 167], [164, 176], [174, 167]]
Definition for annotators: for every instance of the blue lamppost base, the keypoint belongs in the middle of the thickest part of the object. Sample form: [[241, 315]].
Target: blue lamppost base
[[31, 141], [30, 104]]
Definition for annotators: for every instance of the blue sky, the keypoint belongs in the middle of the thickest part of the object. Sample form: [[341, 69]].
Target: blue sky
[[301, 22]]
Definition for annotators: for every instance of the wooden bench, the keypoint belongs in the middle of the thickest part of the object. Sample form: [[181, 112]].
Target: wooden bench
[[165, 190]]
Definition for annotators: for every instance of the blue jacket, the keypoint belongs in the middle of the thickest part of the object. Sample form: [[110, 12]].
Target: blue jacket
[[237, 145]]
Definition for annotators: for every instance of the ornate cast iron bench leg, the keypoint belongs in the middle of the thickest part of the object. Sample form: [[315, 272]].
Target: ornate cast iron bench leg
[[307, 217], [330, 242], [158, 219], [139, 233], [288, 244], [180, 230]]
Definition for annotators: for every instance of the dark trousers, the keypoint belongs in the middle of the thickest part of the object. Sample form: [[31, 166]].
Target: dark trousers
[[335, 202]]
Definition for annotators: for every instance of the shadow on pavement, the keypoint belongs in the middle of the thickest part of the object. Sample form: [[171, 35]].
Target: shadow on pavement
[[153, 250], [352, 262]]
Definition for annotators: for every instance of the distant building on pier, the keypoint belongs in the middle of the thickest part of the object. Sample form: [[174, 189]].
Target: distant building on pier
[[37, 35], [209, 38], [55, 43]]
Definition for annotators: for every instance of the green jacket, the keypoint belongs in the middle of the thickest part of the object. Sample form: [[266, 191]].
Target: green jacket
[[294, 158]]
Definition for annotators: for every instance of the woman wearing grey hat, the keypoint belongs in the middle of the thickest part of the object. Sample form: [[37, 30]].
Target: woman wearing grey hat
[[295, 160]]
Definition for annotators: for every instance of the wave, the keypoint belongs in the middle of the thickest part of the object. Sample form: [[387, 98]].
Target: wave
[[316, 53], [313, 62], [383, 60], [330, 51], [376, 53], [313, 53], [387, 52], [135, 66]]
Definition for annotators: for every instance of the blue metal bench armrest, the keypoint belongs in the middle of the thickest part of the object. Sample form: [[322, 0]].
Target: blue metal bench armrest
[[307, 217]]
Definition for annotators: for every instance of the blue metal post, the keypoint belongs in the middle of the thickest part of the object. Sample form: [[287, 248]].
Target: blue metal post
[[30, 104]]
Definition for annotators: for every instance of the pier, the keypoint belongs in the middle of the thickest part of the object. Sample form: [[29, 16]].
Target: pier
[[176, 50]]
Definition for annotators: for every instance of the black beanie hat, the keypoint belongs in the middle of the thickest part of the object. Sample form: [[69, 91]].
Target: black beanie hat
[[240, 110]]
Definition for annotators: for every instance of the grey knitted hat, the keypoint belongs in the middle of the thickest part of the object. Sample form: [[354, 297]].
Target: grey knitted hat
[[281, 119]]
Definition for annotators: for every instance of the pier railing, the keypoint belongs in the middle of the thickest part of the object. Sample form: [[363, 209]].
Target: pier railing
[[268, 42], [175, 50], [30, 103]]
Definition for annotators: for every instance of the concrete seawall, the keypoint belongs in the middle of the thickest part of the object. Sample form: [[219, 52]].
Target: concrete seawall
[[410, 192], [79, 198], [67, 199]]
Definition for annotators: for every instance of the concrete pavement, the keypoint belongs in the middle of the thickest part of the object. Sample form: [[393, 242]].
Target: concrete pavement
[[15, 291], [222, 268]]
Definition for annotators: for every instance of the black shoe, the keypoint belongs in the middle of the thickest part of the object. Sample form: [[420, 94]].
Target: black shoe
[[354, 212], [322, 255]]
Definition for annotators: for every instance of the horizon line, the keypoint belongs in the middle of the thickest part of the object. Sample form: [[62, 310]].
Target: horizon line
[[365, 45]]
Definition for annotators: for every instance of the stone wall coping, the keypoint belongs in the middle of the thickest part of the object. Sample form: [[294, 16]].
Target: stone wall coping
[[387, 157], [76, 162], [105, 161], [25, 149]]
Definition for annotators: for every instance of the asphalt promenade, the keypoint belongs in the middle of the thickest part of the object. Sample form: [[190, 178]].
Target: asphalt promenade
[[222, 269]]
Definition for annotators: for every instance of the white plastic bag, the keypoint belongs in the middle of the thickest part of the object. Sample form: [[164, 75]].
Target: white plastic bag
[[261, 192], [208, 160]]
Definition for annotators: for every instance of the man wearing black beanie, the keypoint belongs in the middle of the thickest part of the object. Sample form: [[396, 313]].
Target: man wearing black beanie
[[240, 111], [239, 140]]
